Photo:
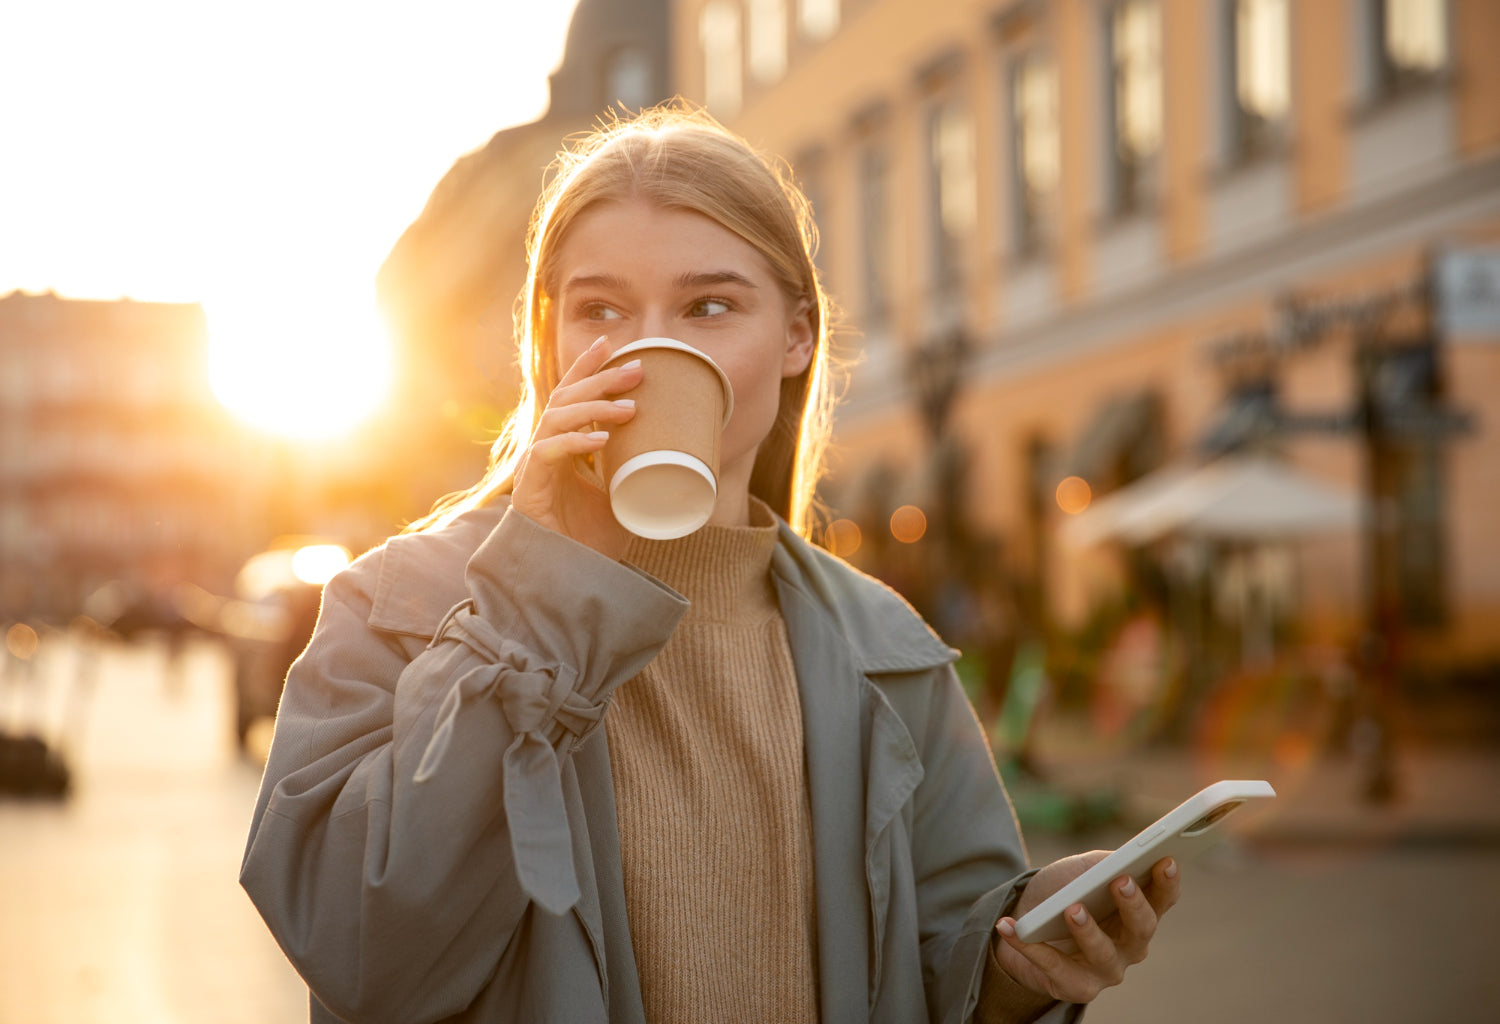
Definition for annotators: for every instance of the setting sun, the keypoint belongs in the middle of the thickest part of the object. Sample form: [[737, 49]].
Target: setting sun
[[309, 370]]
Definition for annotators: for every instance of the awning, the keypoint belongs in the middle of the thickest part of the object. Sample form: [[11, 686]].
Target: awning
[[1241, 497], [1120, 426]]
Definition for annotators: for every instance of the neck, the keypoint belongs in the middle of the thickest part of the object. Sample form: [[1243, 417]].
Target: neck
[[732, 506]]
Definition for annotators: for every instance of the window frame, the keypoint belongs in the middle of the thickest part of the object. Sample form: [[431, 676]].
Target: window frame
[[1032, 231], [1132, 187]]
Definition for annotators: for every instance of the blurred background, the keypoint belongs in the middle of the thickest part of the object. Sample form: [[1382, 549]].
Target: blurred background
[[1171, 332]]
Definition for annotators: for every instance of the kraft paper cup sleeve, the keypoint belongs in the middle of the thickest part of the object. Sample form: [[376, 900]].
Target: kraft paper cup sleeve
[[662, 465]]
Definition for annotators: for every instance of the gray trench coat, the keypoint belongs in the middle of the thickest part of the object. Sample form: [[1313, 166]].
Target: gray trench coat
[[434, 839]]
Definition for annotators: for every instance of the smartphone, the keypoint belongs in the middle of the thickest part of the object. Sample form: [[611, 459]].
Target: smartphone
[[1182, 833]]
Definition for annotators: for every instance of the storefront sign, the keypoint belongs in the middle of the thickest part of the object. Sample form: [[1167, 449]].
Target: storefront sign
[[1468, 293]]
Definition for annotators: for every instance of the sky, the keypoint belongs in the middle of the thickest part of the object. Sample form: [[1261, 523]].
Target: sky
[[261, 158]]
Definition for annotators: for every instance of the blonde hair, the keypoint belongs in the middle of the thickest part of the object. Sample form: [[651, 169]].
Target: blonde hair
[[679, 157]]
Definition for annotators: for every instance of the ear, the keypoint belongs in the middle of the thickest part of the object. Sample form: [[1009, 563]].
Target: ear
[[801, 340]]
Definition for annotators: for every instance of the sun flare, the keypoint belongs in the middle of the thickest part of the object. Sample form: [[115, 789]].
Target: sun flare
[[309, 370]]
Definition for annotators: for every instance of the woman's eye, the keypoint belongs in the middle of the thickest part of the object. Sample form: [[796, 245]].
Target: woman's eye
[[599, 311], [709, 307]]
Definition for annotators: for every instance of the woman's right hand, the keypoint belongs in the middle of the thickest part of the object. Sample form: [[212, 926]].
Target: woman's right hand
[[549, 488]]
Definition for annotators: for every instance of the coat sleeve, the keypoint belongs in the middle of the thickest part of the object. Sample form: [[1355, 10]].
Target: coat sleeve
[[412, 812], [969, 858]]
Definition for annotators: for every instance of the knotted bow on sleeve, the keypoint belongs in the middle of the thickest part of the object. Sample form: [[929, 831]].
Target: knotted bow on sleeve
[[541, 704]]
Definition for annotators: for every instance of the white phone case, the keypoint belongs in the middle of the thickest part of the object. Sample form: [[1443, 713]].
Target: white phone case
[[1182, 833]]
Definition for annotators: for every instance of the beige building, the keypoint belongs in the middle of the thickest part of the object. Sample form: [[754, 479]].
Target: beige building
[[117, 465], [1098, 237]]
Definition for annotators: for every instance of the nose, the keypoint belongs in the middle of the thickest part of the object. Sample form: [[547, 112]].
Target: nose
[[655, 325]]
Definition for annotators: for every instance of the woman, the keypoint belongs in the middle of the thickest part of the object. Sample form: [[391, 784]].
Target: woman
[[789, 813]]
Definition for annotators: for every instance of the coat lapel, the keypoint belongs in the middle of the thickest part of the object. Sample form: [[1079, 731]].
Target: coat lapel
[[829, 682], [862, 766], [603, 908]]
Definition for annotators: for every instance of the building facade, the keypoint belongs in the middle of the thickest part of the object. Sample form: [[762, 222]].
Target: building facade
[[117, 465], [1078, 240]]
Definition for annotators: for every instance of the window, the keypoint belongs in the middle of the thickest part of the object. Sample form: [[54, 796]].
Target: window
[[719, 35], [951, 160], [628, 78], [874, 192], [812, 173], [1262, 76], [1403, 120], [767, 39], [1034, 116], [818, 19], [1413, 41], [1134, 31]]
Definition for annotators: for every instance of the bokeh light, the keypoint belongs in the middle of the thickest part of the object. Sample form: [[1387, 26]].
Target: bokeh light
[[843, 537], [908, 524], [1074, 495], [21, 641]]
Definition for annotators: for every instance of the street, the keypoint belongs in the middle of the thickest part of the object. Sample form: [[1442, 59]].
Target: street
[[121, 906], [1320, 934]]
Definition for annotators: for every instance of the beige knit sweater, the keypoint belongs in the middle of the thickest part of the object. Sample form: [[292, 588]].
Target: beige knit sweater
[[711, 795]]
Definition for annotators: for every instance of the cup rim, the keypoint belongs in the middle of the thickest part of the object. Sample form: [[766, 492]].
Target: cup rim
[[681, 346], [662, 528]]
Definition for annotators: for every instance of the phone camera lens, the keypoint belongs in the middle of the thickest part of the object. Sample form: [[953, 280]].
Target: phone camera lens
[[1208, 820]]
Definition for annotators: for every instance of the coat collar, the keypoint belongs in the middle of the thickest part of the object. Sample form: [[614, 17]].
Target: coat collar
[[883, 631], [417, 585]]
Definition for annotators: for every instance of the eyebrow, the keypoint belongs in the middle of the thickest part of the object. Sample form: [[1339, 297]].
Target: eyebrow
[[691, 279], [605, 281], [698, 279]]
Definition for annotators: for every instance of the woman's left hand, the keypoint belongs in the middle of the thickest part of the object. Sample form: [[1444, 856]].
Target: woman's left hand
[[1097, 957]]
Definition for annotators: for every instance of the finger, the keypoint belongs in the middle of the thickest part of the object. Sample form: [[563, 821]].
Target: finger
[[588, 363], [555, 450], [585, 380], [1166, 885], [568, 418], [1138, 920], [1066, 979], [1095, 946]]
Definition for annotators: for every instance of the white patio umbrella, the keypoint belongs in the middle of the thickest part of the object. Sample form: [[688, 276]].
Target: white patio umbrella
[[1237, 497]]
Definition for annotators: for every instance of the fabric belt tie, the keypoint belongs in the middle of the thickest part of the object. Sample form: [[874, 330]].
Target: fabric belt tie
[[537, 700]]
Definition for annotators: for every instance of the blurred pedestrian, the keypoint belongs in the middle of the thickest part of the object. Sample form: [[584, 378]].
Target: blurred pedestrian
[[532, 767]]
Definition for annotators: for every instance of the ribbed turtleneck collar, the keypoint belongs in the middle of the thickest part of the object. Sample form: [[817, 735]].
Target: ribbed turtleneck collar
[[725, 571]]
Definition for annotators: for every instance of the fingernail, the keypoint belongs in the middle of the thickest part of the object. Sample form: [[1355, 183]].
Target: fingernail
[[1171, 869], [631, 365], [1079, 916], [1007, 928], [598, 435], [598, 342], [1128, 889], [625, 403]]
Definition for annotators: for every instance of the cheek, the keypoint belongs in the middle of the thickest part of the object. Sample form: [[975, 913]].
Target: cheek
[[756, 402]]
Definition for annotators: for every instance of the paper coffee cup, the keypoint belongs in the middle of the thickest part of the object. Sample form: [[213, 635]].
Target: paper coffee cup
[[662, 467]]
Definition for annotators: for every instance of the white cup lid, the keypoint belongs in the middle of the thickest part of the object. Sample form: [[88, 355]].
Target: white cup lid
[[663, 494]]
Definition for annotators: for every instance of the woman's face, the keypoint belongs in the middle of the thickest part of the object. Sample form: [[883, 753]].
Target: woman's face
[[629, 270]]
